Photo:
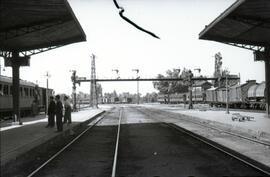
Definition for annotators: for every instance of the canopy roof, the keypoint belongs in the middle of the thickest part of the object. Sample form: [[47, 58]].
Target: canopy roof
[[33, 24], [244, 22]]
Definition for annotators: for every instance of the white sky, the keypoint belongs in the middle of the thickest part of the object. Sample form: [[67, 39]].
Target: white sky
[[118, 45]]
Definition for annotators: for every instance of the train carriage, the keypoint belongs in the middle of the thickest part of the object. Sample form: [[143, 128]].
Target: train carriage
[[32, 97], [256, 96], [211, 96], [238, 94]]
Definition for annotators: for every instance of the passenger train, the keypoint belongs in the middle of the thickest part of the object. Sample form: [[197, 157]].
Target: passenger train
[[32, 98], [249, 95]]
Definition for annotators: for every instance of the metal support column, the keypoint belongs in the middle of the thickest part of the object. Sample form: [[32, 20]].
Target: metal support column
[[93, 84], [227, 96], [190, 104], [15, 61], [16, 87], [190, 76], [267, 81]]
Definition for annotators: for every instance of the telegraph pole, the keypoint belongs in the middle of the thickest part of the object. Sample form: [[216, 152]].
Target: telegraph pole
[[190, 75], [47, 91]]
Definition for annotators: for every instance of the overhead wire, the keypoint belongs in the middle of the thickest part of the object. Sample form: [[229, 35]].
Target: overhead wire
[[122, 10]]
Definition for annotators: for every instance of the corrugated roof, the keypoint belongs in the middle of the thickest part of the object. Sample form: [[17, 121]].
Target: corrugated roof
[[245, 22], [260, 90], [252, 90], [32, 24]]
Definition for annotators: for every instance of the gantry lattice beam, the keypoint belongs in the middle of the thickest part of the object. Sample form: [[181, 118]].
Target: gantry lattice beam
[[156, 79]]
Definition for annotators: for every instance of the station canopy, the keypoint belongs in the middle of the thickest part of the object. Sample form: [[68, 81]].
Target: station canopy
[[33, 24], [246, 22]]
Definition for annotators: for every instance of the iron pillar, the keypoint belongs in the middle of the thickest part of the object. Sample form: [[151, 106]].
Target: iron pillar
[[267, 80], [16, 61]]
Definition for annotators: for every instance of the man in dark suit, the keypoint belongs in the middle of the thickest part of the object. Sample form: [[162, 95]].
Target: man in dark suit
[[59, 113], [51, 112]]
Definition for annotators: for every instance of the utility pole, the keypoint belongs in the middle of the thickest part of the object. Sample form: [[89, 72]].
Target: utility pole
[[195, 85], [137, 77], [47, 91], [190, 75]]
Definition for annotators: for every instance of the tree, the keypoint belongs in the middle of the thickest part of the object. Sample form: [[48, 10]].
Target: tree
[[161, 86], [150, 97], [169, 87]]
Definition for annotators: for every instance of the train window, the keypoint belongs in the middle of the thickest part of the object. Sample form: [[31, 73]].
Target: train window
[[26, 91], [30, 92], [21, 91], [1, 90], [5, 90], [10, 90]]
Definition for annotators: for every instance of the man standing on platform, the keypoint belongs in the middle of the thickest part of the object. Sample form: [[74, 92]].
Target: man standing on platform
[[59, 113], [51, 112]]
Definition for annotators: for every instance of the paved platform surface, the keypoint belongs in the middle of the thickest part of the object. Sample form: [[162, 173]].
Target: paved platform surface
[[18, 139], [259, 127]]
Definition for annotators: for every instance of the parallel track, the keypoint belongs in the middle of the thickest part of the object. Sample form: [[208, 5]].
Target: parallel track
[[250, 162], [97, 120]]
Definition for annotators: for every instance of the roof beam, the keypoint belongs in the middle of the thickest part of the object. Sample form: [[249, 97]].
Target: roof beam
[[7, 54], [249, 47]]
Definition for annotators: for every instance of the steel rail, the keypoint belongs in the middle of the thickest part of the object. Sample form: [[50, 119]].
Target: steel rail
[[216, 146], [116, 146], [65, 147]]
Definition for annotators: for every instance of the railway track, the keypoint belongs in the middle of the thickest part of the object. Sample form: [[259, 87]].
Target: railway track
[[254, 164], [151, 149], [92, 125]]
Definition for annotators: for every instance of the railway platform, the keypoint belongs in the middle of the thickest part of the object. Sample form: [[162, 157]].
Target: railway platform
[[17, 140], [256, 127]]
